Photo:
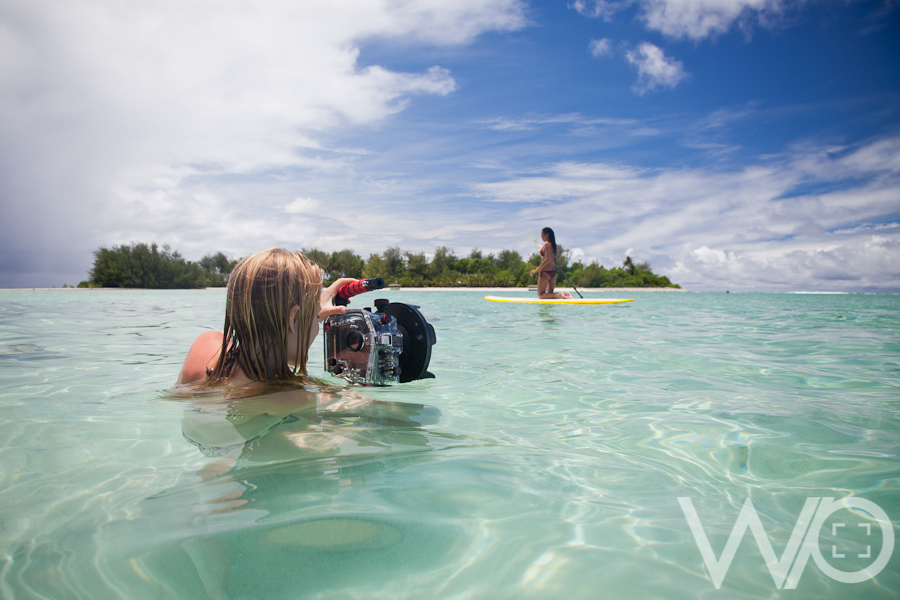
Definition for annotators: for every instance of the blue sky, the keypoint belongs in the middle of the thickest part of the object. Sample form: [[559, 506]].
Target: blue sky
[[733, 144]]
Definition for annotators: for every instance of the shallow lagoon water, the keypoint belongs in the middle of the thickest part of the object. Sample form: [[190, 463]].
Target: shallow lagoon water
[[545, 460]]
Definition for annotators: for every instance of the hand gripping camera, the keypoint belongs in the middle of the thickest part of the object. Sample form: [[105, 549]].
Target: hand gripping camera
[[391, 345]]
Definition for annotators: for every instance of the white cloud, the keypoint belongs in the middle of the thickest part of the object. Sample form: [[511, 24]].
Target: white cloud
[[601, 9], [692, 19], [109, 110], [565, 181], [225, 130], [536, 121], [302, 205], [700, 19], [655, 70], [752, 228], [867, 263], [601, 47], [236, 88]]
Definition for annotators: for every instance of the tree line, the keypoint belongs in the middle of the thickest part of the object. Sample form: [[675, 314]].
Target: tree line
[[151, 266], [143, 266]]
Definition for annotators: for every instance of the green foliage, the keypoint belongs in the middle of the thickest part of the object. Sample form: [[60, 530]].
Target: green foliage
[[317, 256], [628, 275], [507, 269], [393, 261], [562, 257], [346, 264], [218, 267], [375, 267], [416, 265], [338, 264], [508, 260], [141, 266], [441, 264]]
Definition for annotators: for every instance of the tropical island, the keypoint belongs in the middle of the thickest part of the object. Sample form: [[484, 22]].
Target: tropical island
[[150, 266]]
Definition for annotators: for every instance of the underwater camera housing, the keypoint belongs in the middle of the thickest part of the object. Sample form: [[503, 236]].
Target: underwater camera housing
[[390, 345]]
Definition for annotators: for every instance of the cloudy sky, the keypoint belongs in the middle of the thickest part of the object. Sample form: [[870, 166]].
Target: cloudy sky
[[733, 144]]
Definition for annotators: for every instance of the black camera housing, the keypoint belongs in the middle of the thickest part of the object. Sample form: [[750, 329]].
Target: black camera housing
[[391, 345]]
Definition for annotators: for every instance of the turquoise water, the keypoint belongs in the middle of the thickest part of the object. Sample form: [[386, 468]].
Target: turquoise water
[[544, 461]]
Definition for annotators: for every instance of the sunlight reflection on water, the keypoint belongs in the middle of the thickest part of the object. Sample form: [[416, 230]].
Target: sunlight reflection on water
[[543, 461]]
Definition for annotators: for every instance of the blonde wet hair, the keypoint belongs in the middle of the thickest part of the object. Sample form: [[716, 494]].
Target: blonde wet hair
[[262, 289]]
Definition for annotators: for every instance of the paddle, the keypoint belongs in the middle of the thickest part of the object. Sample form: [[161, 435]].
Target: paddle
[[570, 281], [533, 240]]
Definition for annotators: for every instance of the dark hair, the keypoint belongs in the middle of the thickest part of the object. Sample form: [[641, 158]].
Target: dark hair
[[551, 236]]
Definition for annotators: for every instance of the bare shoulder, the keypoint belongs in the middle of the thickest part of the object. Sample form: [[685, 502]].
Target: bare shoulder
[[203, 354]]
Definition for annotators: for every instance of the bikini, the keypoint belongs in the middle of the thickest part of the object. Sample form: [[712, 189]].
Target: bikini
[[551, 273]]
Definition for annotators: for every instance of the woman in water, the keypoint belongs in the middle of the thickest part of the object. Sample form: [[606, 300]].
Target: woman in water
[[274, 303], [272, 313], [547, 268]]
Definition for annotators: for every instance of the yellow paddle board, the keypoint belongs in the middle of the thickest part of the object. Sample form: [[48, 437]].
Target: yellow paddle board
[[558, 301]]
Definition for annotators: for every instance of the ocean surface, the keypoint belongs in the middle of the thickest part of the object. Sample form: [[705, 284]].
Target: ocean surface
[[558, 453]]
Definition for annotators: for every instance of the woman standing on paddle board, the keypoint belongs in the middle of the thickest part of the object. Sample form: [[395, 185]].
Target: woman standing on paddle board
[[547, 268]]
